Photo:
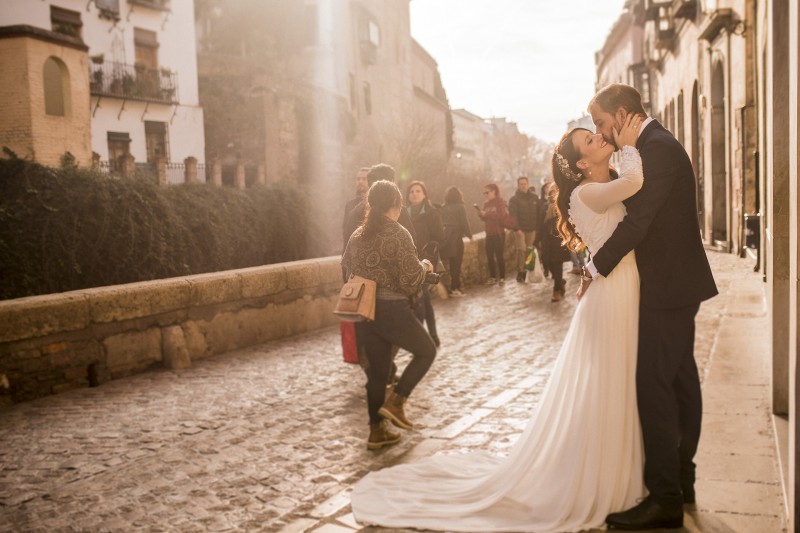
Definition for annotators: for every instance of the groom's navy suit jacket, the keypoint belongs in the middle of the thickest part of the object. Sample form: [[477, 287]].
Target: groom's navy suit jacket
[[661, 225]]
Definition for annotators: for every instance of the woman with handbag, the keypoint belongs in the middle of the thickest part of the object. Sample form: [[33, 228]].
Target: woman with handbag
[[430, 235], [383, 251]]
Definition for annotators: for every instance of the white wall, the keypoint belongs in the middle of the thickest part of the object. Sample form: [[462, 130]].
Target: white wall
[[177, 51]]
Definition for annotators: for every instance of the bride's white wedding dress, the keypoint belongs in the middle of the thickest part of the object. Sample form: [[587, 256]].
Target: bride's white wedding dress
[[580, 456]]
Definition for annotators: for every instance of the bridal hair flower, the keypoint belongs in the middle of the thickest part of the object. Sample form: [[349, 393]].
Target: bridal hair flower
[[563, 165]]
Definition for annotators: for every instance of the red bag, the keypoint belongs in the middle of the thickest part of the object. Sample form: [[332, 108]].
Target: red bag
[[349, 346]]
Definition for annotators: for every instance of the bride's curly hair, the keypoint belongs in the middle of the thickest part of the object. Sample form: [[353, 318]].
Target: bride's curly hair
[[567, 177]]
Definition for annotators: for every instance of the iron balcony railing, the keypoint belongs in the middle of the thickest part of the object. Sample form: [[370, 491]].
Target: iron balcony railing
[[134, 82]]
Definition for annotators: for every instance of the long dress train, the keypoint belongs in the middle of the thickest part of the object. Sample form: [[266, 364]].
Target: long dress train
[[580, 456]]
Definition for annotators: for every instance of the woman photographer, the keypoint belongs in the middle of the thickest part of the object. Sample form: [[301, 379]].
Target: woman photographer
[[383, 251]]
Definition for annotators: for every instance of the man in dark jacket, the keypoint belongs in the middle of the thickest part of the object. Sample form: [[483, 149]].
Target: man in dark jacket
[[355, 216], [362, 186], [524, 208], [661, 225]]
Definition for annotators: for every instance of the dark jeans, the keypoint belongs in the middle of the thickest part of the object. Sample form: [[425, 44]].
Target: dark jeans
[[669, 398], [454, 265], [557, 268], [394, 324], [495, 245]]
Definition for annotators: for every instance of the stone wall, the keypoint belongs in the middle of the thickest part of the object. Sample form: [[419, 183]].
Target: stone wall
[[53, 343]]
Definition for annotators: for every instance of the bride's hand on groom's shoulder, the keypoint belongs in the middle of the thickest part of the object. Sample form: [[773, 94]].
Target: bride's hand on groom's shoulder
[[629, 132]]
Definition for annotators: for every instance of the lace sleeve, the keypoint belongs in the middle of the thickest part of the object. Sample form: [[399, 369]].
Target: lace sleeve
[[601, 196]]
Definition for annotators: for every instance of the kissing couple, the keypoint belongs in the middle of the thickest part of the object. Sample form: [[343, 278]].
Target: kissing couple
[[613, 437]]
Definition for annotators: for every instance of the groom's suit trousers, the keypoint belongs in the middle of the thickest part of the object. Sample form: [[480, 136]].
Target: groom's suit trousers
[[669, 400]]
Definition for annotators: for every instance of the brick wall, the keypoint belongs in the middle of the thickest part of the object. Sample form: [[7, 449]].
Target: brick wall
[[24, 126]]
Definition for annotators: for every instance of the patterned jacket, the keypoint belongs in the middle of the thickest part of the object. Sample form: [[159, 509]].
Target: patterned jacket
[[389, 258]]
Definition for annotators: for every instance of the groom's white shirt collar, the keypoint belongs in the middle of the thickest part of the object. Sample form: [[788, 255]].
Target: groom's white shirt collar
[[647, 121]]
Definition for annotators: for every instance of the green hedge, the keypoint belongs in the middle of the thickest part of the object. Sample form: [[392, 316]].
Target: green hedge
[[70, 228]]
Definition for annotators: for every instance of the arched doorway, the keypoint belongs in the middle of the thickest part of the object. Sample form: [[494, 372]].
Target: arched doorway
[[697, 161], [719, 176]]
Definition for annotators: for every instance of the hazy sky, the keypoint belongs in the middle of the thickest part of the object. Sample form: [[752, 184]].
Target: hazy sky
[[531, 61]]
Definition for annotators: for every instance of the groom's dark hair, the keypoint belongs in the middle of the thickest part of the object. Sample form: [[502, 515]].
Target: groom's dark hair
[[618, 95]]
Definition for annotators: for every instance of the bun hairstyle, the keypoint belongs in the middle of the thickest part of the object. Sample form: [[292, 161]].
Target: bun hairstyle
[[382, 196]]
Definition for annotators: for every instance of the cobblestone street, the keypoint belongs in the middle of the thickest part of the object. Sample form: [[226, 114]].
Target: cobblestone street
[[271, 438]]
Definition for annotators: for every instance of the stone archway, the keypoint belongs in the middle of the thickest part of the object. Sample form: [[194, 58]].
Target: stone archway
[[719, 175]]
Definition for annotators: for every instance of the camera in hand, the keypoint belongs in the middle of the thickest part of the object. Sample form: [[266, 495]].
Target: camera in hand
[[432, 278]]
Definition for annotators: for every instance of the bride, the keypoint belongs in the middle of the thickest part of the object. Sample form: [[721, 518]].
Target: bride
[[580, 456]]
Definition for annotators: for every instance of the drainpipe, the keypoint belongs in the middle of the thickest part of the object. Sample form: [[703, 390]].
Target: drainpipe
[[728, 143]]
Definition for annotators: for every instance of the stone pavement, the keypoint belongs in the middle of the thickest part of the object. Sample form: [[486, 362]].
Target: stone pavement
[[272, 438]]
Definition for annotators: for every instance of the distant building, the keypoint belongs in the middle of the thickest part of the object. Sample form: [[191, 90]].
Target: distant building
[[584, 121], [113, 77], [470, 144], [345, 88], [508, 151]]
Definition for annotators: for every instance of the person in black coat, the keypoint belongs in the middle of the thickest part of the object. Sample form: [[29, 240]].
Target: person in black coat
[[429, 236], [456, 227], [362, 186], [552, 252], [661, 226], [355, 216]]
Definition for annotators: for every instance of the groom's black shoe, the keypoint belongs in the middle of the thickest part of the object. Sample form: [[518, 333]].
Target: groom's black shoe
[[647, 515]]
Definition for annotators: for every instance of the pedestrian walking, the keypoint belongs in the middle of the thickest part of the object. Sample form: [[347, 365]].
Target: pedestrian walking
[[430, 234], [553, 253], [362, 186], [524, 209], [383, 251], [456, 227], [494, 213]]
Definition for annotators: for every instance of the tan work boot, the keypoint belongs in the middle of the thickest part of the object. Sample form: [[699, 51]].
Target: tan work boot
[[380, 435], [393, 410]]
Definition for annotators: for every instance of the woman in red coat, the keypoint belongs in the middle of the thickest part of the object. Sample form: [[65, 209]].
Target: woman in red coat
[[493, 214]]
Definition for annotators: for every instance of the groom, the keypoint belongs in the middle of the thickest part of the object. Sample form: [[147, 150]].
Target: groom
[[661, 225]]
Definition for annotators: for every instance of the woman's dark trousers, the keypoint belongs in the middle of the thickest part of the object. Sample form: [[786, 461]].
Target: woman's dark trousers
[[454, 264], [557, 268], [494, 255], [394, 324]]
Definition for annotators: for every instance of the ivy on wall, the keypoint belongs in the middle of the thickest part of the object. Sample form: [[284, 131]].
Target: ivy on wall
[[71, 228]]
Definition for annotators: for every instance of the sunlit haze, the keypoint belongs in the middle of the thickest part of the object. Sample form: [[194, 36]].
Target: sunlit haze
[[531, 61]]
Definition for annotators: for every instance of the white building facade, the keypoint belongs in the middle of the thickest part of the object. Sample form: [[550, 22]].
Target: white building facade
[[142, 73]]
